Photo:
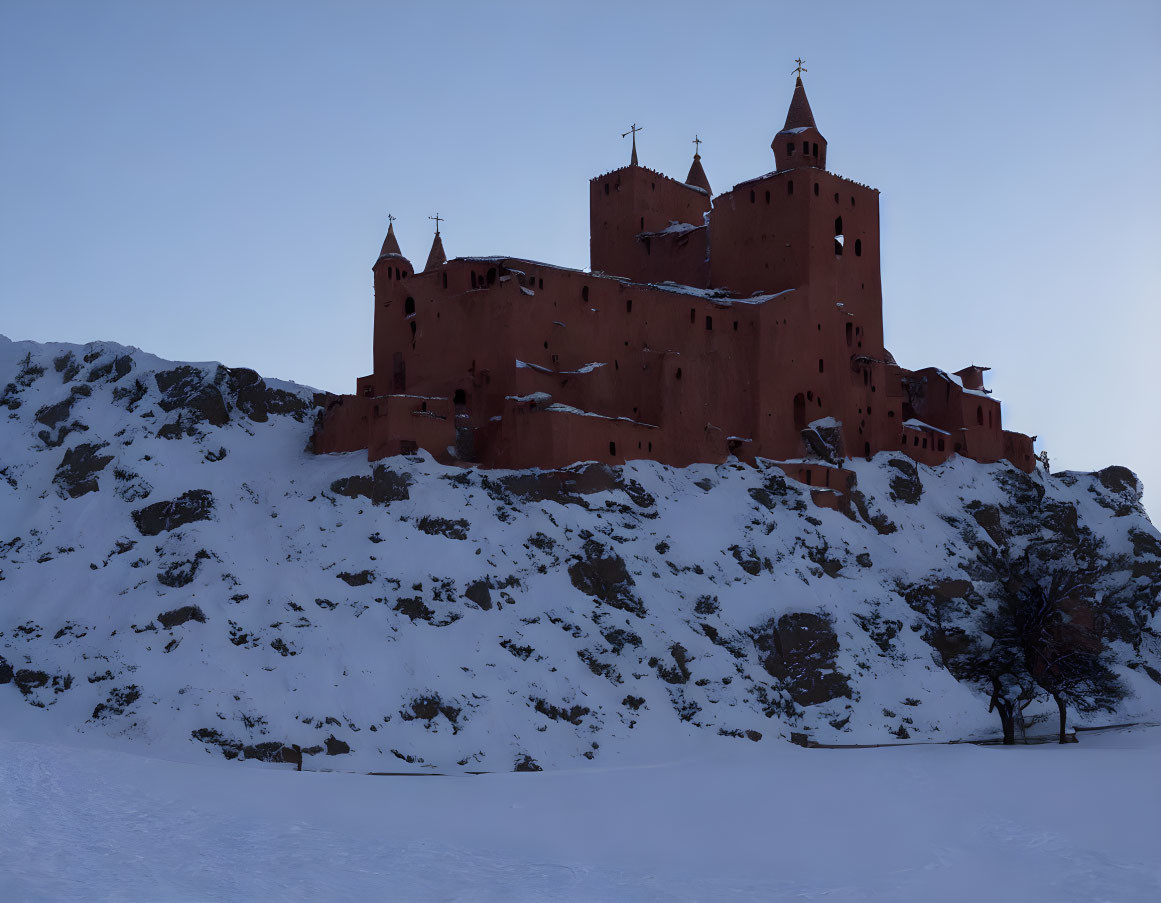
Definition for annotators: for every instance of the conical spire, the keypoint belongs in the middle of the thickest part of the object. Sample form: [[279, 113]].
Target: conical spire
[[799, 115], [437, 257], [697, 176], [390, 243]]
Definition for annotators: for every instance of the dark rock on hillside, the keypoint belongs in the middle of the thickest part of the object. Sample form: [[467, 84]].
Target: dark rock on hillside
[[5, 671], [113, 370], [76, 473], [601, 573], [257, 400], [336, 747], [906, 487], [190, 506], [800, 652], [179, 616], [381, 487], [187, 389], [263, 752]]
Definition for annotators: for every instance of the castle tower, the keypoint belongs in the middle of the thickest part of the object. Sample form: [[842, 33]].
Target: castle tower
[[391, 271], [800, 143]]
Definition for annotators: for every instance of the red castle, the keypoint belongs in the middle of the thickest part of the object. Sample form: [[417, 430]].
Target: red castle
[[749, 324]]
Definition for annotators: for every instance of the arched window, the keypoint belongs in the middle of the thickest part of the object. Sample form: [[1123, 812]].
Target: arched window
[[408, 307], [790, 148], [816, 189], [858, 247], [767, 197], [799, 412], [850, 333], [814, 150], [628, 305], [678, 374], [709, 322], [474, 279], [790, 187], [460, 397], [751, 195], [445, 280], [612, 448], [584, 293], [838, 236], [979, 415], [491, 276]]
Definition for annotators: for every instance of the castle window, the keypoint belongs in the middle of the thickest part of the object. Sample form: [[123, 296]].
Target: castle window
[[916, 441], [735, 325], [799, 412], [606, 188], [368, 391], [836, 197], [546, 346], [858, 247], [790, 187], [612, 448], [925, 442], [643, 220], [628, 305], [423, 406], [979, 415], [445, 280], [852, 200], [650, 446], [474, 285], [789, 148], [460, 397], [814, 150], [491, 276], [709, 322], [941, 446], [810, 395], [584, 293], [820, 365], [692, 315], [867, 450], [397, 276], [409, 307], [838, 236], [767, 197], [816, 189], [989, 417], [678, 374], [752, 196], [890, 415], [540, 284]]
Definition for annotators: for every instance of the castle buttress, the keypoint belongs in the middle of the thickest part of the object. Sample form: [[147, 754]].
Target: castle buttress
[[746, 324]]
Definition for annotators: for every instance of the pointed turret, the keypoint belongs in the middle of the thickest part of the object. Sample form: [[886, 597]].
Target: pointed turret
[[696, 176], [437, 257], [390, 243], [799, 115], [391, 259], [800, 143]]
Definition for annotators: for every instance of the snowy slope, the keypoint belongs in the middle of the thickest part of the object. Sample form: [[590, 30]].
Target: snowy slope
[[180, 576]]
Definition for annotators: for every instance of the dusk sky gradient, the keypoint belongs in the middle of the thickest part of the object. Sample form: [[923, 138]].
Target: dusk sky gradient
[[211, 180]]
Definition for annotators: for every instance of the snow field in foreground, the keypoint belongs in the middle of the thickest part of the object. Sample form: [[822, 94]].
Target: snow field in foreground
[[923, 823]]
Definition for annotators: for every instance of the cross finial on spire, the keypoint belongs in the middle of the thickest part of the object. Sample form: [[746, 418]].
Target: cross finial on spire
[[437, 219], [696, 145], [390, 219], [633, 130], [800, 68]]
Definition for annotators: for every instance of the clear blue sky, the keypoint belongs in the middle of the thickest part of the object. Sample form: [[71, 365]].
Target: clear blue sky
[[210, 180]]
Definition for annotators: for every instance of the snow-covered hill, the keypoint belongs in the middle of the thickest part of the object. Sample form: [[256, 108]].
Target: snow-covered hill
[[179, 575]]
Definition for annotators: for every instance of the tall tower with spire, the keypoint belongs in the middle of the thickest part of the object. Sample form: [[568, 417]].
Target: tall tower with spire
[[800, 144], [436, 257]]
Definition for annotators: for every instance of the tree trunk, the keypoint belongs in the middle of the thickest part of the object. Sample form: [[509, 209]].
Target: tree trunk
[[1004, 707], [1063, 715]]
